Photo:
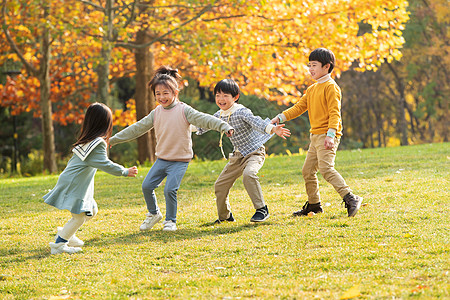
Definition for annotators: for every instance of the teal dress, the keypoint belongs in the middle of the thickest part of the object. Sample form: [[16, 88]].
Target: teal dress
[[74, 190]]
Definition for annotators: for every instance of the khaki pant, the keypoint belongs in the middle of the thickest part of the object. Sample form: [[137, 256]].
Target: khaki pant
[[239, 165], [320, 159]]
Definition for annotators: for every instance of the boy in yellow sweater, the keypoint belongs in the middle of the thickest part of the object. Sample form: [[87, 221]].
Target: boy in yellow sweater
[[322, 100]]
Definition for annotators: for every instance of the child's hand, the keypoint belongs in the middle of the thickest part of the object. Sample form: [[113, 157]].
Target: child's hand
[[275, 120], [229, 132], [280, 131], [329, 142], [132, 171]]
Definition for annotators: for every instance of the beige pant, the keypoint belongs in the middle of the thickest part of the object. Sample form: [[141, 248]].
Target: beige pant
[[320, 159], [239, 165], [75, 223]]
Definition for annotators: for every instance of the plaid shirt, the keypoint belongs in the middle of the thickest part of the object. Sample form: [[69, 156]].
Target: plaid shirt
[[249, 130]]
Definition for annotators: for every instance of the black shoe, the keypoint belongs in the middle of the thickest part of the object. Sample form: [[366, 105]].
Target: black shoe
[[352, 203], [230, 219], [307, 208], [260, 215]]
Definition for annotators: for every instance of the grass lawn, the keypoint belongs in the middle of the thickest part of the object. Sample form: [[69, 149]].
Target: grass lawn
[[396, 247]]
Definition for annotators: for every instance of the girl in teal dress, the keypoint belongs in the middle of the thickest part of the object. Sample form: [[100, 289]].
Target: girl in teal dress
[[74, 190]]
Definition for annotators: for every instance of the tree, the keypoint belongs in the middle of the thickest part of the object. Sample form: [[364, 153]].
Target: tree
[[59, 70], [409, 98], [40, 70], [264, 45]]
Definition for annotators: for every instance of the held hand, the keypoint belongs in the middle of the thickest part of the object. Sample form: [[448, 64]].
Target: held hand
[[275, 120], [280, 131], [329, 142], [132, 171], [229, 132]]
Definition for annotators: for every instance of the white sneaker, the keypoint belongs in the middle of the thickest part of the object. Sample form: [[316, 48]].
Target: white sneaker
[[57, 248], [73, 241], [169, 226], [150, 221]]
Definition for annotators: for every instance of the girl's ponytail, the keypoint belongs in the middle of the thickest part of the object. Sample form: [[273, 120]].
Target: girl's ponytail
[[166, 76]]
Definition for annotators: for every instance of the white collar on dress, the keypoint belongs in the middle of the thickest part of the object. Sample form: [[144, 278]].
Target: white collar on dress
[[82, 151]]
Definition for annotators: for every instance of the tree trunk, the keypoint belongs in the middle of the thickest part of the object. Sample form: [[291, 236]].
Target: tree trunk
[[402, 124], [145, 102], [103, 76], [45, 103], [103, 66]]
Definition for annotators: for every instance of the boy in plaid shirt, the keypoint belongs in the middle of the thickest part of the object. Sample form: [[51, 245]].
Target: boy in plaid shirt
[[250, 134]]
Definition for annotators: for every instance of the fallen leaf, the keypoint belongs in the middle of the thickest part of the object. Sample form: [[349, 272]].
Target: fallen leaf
[[419, 288], [352, 293]]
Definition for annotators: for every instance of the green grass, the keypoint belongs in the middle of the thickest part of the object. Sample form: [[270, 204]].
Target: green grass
[[397, 246]]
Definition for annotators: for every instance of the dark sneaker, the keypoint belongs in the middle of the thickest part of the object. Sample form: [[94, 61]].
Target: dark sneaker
[[352, 203], [230, 219], [307, 208], [260, 215]]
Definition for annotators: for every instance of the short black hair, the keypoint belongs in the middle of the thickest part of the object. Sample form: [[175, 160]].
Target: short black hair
[[324, 56], [227, 86]]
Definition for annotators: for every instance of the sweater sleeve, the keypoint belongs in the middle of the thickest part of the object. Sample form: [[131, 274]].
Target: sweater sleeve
[[333, 96], [98, 159], [134, 131], [297, 109], [205, 121]]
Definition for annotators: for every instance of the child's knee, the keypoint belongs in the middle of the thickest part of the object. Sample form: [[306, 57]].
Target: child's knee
[[170, 192], [219, 184], [326, 169], [328, 173], [308, 172], [249, 175], [78, 219], [148, 187]]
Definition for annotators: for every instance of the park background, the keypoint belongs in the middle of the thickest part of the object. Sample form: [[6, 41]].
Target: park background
[[392, 65]]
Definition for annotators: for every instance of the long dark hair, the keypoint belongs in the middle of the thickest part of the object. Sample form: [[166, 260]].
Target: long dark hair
[[97, 123], [166, 76]]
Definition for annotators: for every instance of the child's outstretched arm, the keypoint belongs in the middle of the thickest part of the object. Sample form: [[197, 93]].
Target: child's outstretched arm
[[206, 121], [229, 133], [281, 131], [98, 159], [280, 118], [133, 131], [132, 172], [292, 112]]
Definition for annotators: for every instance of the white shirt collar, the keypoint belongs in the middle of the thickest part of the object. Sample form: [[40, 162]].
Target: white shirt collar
[[324, 78], [231, 110]]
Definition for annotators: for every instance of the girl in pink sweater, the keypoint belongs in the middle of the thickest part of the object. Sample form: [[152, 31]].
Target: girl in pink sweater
[[171, 120]]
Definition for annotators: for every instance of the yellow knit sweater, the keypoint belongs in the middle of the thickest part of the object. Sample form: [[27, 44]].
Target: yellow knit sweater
[[323, 103]]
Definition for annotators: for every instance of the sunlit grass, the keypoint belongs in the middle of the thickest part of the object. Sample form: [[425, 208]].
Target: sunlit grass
[[397, 246]]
